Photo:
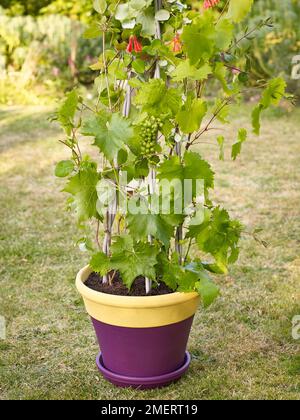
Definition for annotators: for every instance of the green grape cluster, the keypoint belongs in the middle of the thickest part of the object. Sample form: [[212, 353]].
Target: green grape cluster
[[149, 131]]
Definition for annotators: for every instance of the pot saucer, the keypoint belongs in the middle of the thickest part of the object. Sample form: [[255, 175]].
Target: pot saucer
[[143, 383]]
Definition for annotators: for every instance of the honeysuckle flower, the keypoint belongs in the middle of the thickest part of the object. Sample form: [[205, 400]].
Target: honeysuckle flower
[[134, 45], [175, 44], [210, 3]]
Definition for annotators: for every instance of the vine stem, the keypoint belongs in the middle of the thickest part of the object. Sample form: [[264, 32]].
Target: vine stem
[[152, 172], [105, 69], [223, 11], [207, 127], [113, 206], [179, 230], [97, 234], [245, 36], [188, 250]]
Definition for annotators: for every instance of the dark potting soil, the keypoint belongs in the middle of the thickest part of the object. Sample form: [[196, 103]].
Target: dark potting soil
[[117, 287]]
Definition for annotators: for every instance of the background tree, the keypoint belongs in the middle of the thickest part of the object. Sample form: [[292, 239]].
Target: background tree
[[24, 7], [77, 12]]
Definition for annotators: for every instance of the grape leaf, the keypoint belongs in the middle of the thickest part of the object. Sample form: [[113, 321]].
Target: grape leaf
[[185, 70], [237, 147], [197, 168], [168, 269], [187, 174], [200, 39], [272, 95], [173, 219], [159, 49], [224, 34], [100, 6], [186, 281], [122, 157], [221, 141], [100, 263], [92, 31], [256, 114], [221, 110], [215, 268], [175, 275], [220, 237], [156, 99], [142, 225], [111, 133], [191, 115], [133, 259], [64, 168], [207, 289], [139, 66], [193, 168], [220, 73], [122, 243], [82, 187], [151, 92], [66, 112], [171, 169], [238, 9]]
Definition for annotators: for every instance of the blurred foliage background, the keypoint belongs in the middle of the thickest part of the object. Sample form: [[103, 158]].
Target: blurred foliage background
[[43, 53], [274, 48]]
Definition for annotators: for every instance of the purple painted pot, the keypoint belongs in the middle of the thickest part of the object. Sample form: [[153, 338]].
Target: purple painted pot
[[148, 382], [142, 339], [143, 357]]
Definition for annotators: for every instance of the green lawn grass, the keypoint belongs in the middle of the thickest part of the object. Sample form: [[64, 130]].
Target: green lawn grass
[[242, 346]]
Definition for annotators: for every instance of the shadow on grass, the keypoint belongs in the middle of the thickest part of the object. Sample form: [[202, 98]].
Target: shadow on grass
[[5, 113], [17, 127]]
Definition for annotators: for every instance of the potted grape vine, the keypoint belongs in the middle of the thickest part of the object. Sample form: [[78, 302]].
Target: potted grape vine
[[167, 75]]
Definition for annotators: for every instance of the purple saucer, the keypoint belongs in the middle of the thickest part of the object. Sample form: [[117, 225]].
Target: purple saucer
[[143, 383]]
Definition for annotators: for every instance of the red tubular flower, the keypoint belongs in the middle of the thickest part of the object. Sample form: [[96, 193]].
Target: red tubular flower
[[129, 48], [175, 44], [137, 45], [210, 3], [134, 44]]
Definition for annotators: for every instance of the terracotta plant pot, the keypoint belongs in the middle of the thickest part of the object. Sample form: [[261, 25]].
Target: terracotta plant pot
[[142, 339]]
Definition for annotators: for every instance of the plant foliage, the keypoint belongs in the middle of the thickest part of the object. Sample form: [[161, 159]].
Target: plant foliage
[[158, 64]]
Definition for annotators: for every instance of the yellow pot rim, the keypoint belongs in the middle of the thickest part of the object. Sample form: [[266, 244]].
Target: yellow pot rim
[[136, 311], [129, 301]]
